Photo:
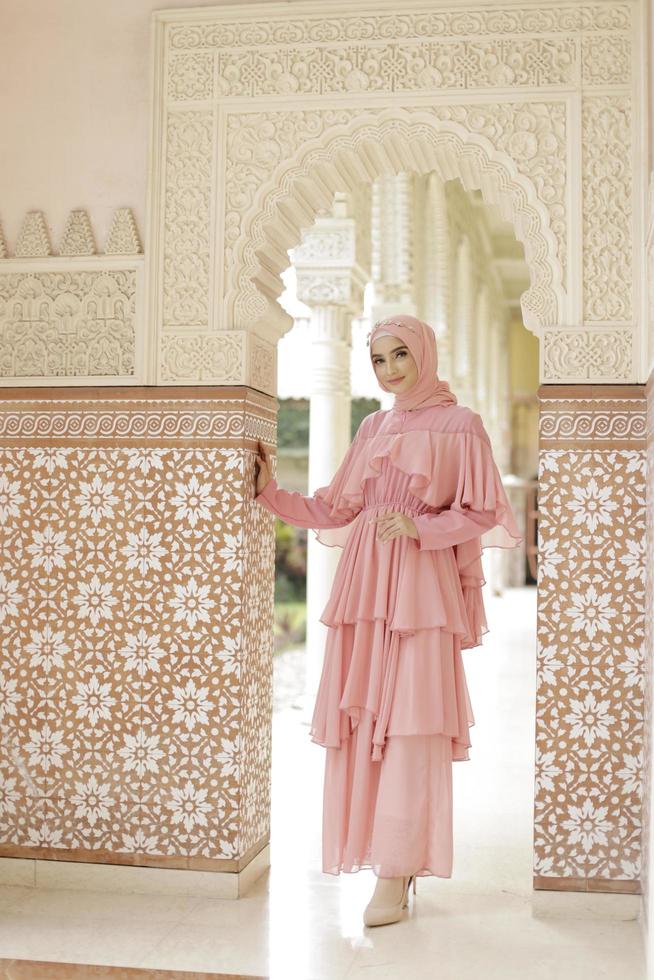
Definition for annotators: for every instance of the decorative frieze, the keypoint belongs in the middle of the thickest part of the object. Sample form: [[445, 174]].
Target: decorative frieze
[[459, 21], [63, 318], [68, 324]]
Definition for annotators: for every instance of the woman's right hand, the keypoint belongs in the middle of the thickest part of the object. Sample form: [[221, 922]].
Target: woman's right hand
[[261, 468]]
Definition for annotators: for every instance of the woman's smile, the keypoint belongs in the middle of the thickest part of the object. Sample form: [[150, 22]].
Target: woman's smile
[[395, 381]]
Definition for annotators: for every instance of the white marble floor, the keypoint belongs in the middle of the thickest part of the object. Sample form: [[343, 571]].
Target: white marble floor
[[298, 924]]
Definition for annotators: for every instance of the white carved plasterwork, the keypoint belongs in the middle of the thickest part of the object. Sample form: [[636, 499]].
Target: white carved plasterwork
[[607, 208], [245, 183], [572, 354], [189, 153], [292, 29], [398, 67], [266, 152], [78, 235], [75, 317], [67, 324], [33, 239], [204, 356], [123, 237], [207, 357]]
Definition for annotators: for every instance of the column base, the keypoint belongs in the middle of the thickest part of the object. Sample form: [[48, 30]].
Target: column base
[[80, 876]]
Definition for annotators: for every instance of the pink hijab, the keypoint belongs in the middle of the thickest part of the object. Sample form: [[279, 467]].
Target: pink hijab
[[420, 338]]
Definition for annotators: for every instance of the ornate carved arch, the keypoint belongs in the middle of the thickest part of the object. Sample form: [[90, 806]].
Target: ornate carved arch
[[334, 153]]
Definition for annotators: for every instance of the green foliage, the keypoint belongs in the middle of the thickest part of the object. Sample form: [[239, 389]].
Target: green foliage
[[290, 625], [293, 420], [290, 562]]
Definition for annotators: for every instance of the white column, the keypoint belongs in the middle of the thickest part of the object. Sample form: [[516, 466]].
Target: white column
[[432, 266], [330, 281], [465, 312], [392, 246]]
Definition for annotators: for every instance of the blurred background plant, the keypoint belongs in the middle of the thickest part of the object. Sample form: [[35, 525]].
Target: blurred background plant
[[290, 624]]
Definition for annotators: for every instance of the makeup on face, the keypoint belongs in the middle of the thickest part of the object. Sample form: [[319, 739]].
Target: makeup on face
[[402, 352]]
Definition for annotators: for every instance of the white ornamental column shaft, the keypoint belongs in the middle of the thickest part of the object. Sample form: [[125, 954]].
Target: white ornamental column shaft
[[330, 281], [392, 246]]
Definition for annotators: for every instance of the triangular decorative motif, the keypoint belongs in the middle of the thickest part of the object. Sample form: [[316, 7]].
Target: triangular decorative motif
[[123, 237], [33, 240], [78, 236]]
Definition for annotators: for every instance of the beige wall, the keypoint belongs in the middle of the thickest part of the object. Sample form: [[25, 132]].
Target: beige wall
[[75, 114]]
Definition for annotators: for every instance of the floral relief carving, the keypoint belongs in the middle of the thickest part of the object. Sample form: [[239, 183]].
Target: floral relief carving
[[123, 237], [78, 235], [397, 67], [67, 324], [574, 354], [206, 357], [189, 152], [190, 76], [607, 208], [33, 238], [410, 25]]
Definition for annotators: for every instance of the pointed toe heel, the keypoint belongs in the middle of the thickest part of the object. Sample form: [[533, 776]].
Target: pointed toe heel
[[381, 915]]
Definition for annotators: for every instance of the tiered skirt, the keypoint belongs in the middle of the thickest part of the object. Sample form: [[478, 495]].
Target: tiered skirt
[[392, 708]]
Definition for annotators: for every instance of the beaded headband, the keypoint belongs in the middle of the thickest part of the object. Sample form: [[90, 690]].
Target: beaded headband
[[389, 322]]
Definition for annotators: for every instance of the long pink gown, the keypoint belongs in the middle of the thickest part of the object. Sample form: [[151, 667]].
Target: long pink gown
[[392, 708]]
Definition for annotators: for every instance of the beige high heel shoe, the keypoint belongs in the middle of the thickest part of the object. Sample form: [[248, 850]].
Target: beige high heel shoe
[[381, 915]]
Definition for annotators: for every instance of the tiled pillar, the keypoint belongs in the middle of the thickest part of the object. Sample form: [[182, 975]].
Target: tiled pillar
[[136, 612], [591, 606]]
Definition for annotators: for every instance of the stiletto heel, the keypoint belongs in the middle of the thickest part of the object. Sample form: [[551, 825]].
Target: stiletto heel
[[415, 878], [375, 915]]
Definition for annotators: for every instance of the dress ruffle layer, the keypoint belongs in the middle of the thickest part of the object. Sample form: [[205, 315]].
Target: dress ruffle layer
[[410, 589], [411, 685], [400, 611]]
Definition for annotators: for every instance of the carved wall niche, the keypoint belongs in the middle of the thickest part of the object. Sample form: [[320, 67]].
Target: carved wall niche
[[261, 115]]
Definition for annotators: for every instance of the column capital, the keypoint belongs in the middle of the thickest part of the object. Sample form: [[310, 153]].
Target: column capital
[[327, 267]]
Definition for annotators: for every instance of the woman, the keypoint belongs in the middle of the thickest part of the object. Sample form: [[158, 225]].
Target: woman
[[409, 504]]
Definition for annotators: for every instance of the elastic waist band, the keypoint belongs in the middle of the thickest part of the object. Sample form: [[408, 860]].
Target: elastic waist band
[[396, 505]]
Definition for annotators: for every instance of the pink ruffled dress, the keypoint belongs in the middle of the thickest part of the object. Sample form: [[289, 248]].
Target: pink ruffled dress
[[392, 708]]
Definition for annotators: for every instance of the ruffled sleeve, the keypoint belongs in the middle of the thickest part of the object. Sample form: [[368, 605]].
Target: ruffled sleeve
[[318, 512], [478, 516], [478, 506]]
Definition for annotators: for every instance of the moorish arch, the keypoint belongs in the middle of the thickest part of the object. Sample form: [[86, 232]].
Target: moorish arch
[[339, 157]]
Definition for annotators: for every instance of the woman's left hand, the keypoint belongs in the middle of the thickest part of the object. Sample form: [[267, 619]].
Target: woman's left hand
[[393, 524]]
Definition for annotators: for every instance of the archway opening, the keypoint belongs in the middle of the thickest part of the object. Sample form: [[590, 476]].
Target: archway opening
[[413, 243]]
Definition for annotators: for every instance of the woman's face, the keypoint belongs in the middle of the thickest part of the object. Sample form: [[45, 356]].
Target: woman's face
[[392, 360]]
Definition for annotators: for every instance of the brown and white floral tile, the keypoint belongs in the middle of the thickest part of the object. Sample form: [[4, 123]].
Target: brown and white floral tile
[[590, 698], [135, 622]]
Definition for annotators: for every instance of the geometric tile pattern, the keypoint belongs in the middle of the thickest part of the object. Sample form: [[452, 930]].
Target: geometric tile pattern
[[646, 859], [136, 585], [591, 629]]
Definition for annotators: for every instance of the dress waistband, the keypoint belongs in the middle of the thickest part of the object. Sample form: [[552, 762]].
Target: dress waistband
[[398, 505]]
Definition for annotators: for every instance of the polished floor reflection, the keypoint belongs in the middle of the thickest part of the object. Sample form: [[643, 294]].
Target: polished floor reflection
[[297, 923]]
